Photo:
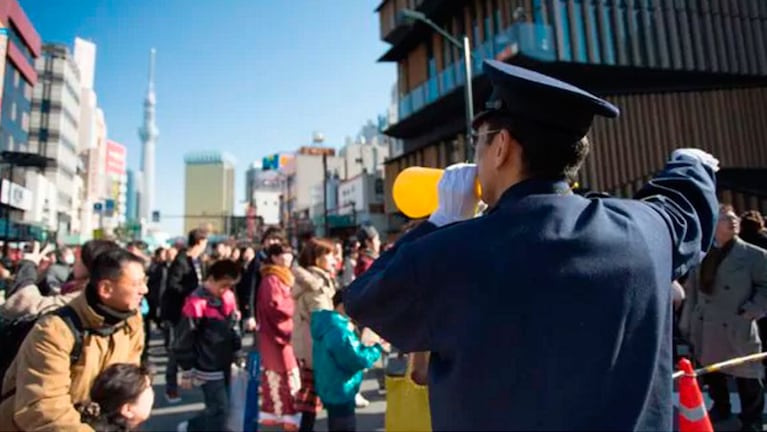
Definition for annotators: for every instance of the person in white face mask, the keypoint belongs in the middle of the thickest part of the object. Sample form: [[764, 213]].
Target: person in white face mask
[[59, 272]]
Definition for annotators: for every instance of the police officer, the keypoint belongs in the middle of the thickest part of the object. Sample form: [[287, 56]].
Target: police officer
[[552, 311]]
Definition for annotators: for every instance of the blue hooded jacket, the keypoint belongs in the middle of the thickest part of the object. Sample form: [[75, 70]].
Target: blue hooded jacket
[[339, 357]]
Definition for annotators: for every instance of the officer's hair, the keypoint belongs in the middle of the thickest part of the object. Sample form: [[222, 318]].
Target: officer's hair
[[546, 152]]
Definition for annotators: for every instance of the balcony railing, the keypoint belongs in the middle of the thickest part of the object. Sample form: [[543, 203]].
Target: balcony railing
[[535, 40]]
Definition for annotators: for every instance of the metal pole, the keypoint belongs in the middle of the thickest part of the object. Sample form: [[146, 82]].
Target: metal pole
[[469, 150], [325, 193], [6, 243]]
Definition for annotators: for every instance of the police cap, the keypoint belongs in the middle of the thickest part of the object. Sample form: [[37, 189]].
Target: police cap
[[541, 102]]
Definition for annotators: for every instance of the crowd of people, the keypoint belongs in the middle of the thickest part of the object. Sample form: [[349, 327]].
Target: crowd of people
[[82, 319]]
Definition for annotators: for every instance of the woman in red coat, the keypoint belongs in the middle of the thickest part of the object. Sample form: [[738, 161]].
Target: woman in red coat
[[280, 379]]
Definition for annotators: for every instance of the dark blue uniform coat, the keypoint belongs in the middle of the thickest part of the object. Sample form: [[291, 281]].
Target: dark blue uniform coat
[[551, 312]]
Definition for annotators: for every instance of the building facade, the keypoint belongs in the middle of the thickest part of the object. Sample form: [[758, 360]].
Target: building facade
[[20, 46], [684, 73], [208, 191], [263, 189], [131, 197], [361, 199], [116, 168], [54, 130]]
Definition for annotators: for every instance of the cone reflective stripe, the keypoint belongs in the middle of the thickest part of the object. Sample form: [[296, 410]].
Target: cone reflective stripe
[[693, 416]]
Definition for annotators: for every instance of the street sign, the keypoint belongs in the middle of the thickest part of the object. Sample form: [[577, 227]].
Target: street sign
[[109, 207], [98, 207], [156, 216], [98, 234]]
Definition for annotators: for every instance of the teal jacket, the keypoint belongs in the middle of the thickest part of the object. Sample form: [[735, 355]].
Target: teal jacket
[[339, 357]]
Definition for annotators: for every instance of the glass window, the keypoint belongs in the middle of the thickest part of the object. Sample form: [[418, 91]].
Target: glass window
[[13, 111], [16, 78]]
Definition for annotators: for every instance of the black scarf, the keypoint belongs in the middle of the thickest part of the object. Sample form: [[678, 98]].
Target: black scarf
[[711, 264], [111, 316]]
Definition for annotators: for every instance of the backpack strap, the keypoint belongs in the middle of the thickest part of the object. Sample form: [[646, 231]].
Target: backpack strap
[[72, 320]]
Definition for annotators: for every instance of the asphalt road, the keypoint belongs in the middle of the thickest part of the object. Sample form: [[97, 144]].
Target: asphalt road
[[166, 417]]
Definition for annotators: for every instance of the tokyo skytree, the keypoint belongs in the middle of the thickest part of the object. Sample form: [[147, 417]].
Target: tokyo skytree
[[148, 133]]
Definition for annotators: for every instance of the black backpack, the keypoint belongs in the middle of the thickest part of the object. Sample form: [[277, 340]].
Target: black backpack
[[13, 333]]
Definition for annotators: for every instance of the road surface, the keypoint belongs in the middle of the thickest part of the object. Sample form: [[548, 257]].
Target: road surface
[[166, 417]]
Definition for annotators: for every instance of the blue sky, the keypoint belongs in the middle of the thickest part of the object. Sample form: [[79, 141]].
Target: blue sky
[[250, 77]]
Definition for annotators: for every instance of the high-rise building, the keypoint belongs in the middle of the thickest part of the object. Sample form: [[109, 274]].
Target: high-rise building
[[263, 189], [131, 196], [684, 73], [148, 134], [116, 179], [92, 140], [54, 132], [209, 190], [20, 45]]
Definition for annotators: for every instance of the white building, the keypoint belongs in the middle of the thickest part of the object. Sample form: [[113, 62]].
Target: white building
[[363, 156], [305, 173], [54, 130], [92, 143], [267, 204], [363, 198]]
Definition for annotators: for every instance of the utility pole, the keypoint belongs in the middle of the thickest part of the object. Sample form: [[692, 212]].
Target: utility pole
[[325, 193]]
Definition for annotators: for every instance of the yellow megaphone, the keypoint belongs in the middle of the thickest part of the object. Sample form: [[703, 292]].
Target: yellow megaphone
[[415, 191]]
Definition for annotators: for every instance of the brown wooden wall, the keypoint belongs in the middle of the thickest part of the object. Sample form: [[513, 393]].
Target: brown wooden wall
[[731, 124]]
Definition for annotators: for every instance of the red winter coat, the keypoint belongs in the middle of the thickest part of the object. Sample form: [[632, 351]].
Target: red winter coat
[[274, 310]]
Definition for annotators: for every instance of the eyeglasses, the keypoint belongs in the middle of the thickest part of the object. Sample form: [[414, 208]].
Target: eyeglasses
[[475, 136]]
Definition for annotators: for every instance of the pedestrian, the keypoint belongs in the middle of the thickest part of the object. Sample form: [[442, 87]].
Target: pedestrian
[[157, 281], [339, 361], [752, 229], [280, 379], [121, 399], [247, 292], [206, 343], [572, 293], [726, 295], [56, 368], [313, 290], [59, 272], [184, 276], [370, 247]]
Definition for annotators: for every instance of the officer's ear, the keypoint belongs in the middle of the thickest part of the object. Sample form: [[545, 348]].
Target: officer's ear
[[505, 149]]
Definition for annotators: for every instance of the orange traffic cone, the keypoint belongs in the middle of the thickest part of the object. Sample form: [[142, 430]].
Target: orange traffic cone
[[693, 416]]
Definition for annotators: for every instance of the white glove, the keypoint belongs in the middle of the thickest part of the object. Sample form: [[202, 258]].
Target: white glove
[[697, 154], [458, 198]]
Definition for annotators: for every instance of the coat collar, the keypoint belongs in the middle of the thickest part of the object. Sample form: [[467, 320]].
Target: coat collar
[[738, 253], [92, 320], [532, 187]]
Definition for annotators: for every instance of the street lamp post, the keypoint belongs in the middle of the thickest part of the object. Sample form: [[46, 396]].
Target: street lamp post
[[464, 45], [16, 159]]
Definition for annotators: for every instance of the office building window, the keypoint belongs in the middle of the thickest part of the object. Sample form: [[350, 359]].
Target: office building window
[[16, 78]]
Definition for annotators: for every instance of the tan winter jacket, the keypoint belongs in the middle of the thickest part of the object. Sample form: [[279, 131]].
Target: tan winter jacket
[[313, 290], [44, 386]]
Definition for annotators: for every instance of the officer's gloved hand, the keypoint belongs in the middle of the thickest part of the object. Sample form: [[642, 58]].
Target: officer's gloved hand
[[457, 195], [697, 154]]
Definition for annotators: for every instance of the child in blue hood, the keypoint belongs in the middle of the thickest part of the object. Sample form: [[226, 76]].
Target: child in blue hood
[[339, 359]]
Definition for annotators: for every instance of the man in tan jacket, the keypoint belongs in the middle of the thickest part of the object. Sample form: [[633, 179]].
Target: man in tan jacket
[[42, 385]]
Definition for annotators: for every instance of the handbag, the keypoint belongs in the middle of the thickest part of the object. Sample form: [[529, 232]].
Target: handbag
[[407, 403]]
